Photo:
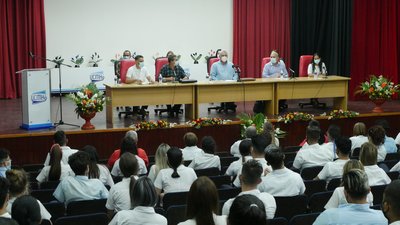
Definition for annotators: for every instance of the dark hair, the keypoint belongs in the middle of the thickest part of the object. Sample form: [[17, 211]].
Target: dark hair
[[313, 133], [19, 182], [4, 153], [260, 142], [169, 53], [314, 123], [251, 172], [79, 162], [208, 144], [137, 57], [250, 132], [202, 201], [377, 135], [319, 64], [94, 171], [174, 155], [247, 210], [392, 196], [190, 139], [143, 193], [26, 210], [60, 138], [171, 58], [128, 144], [128, 164], [245, 148], [355, 183], [343, 144], [4, 189], [55, 163], [275, 157], [334, 131]]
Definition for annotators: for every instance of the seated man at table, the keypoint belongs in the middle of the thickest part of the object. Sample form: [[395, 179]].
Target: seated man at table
[[172, 72]]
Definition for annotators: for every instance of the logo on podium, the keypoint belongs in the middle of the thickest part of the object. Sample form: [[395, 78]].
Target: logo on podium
[[38, 97], [97, 76]]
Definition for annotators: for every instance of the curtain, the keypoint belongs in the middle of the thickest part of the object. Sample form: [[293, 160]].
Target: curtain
[[375, 41], [22, 29], [260, 26]]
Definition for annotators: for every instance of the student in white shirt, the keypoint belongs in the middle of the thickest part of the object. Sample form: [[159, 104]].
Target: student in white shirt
[[322, 137], [368, 157], [207, 159], [334, 169], [97, 171], [359, 135], [60, 138], [247, 210], [245, 152], [161, 161], [389, 143], [26, 211], [178, 178], [376, 135], [313, 154], [80, 187], [191, 150], [56, 170], [143, 199], [259, 144], [338, 196], [250, 132], [128, 144], [391, 203], [202, 204], [118, 197], [281, 181], [249, 179], [332, 133], [269, 129]]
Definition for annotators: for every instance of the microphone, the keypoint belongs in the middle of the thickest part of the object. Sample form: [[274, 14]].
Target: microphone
[[31, 54], [237, 70], [291, 70]]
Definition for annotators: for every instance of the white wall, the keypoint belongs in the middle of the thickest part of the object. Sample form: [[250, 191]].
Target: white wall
[[146, 27]]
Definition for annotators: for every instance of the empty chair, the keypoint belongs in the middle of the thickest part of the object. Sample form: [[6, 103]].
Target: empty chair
[[49, 185], [86, 207], [32, 176], [174, 198], [222, 180], [290, 206], [392, 156], [289, 158], [394, 175], [89, 219], [214, 171], [314, 186], [56, 210], [227, 160], [43, 195], [222, 154], [310, 173], [333, 184], [389, 163], [304, 219], [34, 185], [318, 201], [176, 214], [277, 221], [225, 194], [377, 192], [32, 167]]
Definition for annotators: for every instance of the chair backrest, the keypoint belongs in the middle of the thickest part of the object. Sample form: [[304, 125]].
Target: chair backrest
[[56, 210], [289, 157], [377, 192], [290, 206], [318, 201], [277, 221], [160, 62], [221, 180], [226, 194], [304, 219], [32, 167], [394, 175], [176, 214], [43, 195], [226, 161], [333, 184], [125, 65], [392, 156], [356, 152], [49, 184], [89, 219], [314, 186], [305, 60], [310, 173], [222, 154], [264, 61], [390, 163], [211, 61], [292, 148], [86, 207], [213, 171], [174, 198]]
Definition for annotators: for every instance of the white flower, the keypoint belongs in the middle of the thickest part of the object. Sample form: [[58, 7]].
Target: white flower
[[80, 94]]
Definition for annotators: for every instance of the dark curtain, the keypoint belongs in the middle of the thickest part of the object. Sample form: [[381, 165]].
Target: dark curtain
[[260, 26], [375, 45], [22, 29], [325, 27]]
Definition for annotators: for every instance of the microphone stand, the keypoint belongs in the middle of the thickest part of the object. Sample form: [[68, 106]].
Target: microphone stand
[[237, 71], [60, 122]]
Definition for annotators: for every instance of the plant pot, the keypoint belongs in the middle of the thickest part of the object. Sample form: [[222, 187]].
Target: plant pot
[[378, 105], [77, 66], [87, 117]]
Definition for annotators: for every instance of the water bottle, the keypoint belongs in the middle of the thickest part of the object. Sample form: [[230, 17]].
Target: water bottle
[[160, 78], [281, 74]]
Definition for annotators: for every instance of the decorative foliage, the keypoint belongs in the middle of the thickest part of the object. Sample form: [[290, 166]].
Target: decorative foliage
[[295, 116], [378, 88], [201, 122], [148, 125], [58, 60], [88, 99], [196, 57], [247, 120], [211, 53], [95, 59], [338, 114], [78, 60]]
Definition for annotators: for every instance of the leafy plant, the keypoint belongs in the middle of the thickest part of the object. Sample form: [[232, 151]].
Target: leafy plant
[[247, 120], [78, 60], [95, 59], [58, 60]]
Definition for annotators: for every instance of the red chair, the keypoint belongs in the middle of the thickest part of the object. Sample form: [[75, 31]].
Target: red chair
[[264, 61], [125, 65], [305, 60], [160, 62], [211, 61]]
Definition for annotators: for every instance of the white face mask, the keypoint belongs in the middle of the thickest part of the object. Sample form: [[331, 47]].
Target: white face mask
[[316, 61], [224, 59], [141, 64], [273, 60]]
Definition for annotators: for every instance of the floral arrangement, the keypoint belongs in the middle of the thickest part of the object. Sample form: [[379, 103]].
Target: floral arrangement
[[78, 60], [88, 99], [247, 120], [378, 88], [148, 125], [295, 116], [95, 59], [337, 114], [204, 121]]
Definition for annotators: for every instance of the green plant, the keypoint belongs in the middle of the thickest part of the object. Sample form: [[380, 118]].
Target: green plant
[[247, 120], [78, 60], [95, 59]]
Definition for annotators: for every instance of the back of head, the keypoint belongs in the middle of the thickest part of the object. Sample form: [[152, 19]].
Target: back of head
[[143, 193], [79, 162], [171, 58], [359, 129], [260, 142], [55, 162], [94, 171], [313, 134], [314, 123], [128, 144], [275, 157], [18, 182], [4, 189], [268, 127], [343, 144], [391, 198], [60, 138], [251, 173], [250, 131], [247, 210], [208, 144], [174, 155], [352, 164], [132, 134], [128, 164], [355, 183], [245, 147], [26, 211], [368, 154], [202, 201], [190, 139], [376, 135], [4, 154], [161, 159], [333, 132]]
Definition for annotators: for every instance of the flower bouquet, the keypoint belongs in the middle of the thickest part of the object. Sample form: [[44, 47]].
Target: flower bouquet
[[295, 116], [204, 121]]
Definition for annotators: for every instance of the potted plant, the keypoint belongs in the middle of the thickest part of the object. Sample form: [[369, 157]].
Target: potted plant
[[95, 59], [78, 60], [58, 60]]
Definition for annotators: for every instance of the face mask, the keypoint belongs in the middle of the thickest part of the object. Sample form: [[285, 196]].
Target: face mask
[[224, 58], [273, 60], [8, 167], [316, 61], [141, 64], [126, 57]]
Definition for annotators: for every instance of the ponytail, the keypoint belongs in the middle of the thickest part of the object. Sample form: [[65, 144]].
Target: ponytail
[[174, 155], [131, 185], [175, 173], [55, 163]]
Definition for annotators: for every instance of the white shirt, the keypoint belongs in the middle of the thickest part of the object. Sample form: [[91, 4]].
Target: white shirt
[[312, 155], [266, 198], [332, 148], [396, 167], [264, 165], [6, 215], [80, 188], [190, 152], [116, 171], [332, 170], [152, 173], [282, 182], [357, 141], [119, 197], [44, 173], [66, 153], [140, 215], [204, 161], [105, 175], [317, 70], [376, 175], [235, 147], [43, 211], [235, 166], [218, 220], [395, 223], [338, 198], [381, 153], [138, 74], [397, 139], [165, 182]]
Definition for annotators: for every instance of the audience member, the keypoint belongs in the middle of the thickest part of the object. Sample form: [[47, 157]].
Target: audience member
[[26, 211], [245, 152], [391, 203], [203, 204], [206, 159], [356, 189], [161, 161], [389, 143], [332, 133], [178, 178], [270, 130], [97, 171], [4, 197], [247, 210], [80, 187], [128, 144], [191, 150], [368, 157], [334, 169], [61, 139], [376, 135], [359, 135], [143, 199], [56, 170], [312, 154], [322, 137], [249, 179], [5, 161], [276, 182], [397, 139], [250, 132]]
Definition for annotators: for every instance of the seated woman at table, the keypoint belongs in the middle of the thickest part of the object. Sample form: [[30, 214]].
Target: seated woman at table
[[316, 67]]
